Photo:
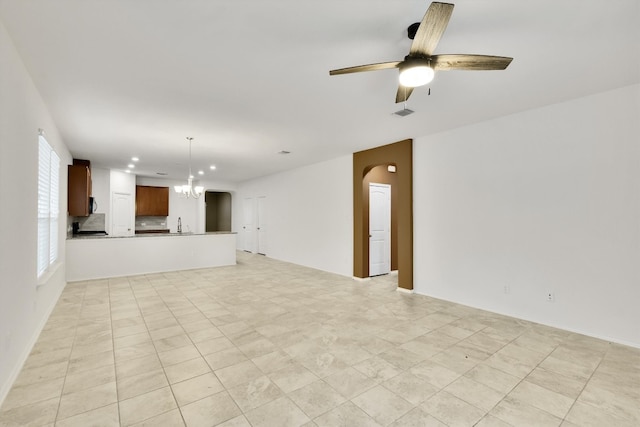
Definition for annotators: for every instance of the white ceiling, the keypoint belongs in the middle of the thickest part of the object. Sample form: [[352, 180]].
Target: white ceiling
[[247, 79]]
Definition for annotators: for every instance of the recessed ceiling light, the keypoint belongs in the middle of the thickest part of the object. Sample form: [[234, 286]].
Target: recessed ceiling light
[[200, 172], [131, 165], [128, 171], [212, 167], [134, 159]]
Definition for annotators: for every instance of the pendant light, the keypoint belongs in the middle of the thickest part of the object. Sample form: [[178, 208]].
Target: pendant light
[[188, 190]]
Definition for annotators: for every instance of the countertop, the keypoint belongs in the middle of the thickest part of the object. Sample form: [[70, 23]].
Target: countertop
[[156, 253], [150, 235]]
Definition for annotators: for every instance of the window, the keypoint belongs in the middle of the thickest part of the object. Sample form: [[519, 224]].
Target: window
[[48, 205]]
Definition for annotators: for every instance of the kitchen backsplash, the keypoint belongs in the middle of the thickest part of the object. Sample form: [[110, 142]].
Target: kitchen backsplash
[[151, 223], [93, 222]]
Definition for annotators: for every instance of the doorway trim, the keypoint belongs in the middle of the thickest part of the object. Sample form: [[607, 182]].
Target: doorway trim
[[401, 155]]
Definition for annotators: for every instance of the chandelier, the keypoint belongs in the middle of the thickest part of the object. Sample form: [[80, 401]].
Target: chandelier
[[188, 190]]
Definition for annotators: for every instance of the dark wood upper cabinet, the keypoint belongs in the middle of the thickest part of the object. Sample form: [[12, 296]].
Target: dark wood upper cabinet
[[78, 190], [152, 201]]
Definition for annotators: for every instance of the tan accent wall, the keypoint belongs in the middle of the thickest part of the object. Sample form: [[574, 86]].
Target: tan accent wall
[[399, 154]]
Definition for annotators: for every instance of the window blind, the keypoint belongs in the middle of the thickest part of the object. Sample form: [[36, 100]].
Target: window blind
[[48, 204]]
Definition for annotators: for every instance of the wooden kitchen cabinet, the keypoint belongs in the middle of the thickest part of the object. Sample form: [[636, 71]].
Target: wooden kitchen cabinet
[[152, 201], [78, 190]]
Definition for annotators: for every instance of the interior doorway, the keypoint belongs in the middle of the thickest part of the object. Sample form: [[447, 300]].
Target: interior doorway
[[248, 227], [217, 211], [397, 157], [254, 225], [262, 225], [379, 229], [122, 212]]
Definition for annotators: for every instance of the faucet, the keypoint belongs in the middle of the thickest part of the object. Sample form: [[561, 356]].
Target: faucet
[[179, 225]]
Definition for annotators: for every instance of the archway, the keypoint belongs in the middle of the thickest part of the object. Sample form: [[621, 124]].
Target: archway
[[399, 154], [217, 211]]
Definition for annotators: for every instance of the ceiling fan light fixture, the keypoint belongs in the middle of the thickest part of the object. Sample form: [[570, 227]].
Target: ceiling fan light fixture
[[416, 69], [416, 75]]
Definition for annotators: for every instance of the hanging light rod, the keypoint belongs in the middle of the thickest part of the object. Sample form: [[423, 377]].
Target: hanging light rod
[[188, 190]]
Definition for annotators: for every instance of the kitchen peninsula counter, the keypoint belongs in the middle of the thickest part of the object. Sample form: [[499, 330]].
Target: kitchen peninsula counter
[[98, 257], [89, 236]]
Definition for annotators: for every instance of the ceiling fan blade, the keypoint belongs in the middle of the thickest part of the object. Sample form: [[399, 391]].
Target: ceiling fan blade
[[368, 67], [403, 93], [431, 28], [469, 62]]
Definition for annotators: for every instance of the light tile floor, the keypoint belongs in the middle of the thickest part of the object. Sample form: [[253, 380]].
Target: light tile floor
[[266, 343]]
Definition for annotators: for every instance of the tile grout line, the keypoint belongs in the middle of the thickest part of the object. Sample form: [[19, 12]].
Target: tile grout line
[[512, 388], [150, 284], [527, 375], [585, 386], [211, 369], [181, 300], [463, 374], [113, 344], [243, 413], [75, 335]]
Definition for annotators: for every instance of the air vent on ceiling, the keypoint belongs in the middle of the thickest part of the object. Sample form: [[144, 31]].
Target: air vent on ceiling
[[404, 112], [162, 173], [284, 152]]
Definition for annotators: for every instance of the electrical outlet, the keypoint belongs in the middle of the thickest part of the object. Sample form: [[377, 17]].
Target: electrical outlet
[[550, 296]]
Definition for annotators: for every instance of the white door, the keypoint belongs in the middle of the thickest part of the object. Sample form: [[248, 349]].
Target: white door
[[262, 225], [121, 214], [379, 229], [248, 224]]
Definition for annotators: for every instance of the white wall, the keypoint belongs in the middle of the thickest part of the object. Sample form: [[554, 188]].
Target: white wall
[[101, 192], [25, 303], [542, 201], [122, 182], [309, 214]]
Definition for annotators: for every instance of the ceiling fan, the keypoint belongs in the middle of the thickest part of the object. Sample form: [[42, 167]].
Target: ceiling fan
[[418, 67]]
